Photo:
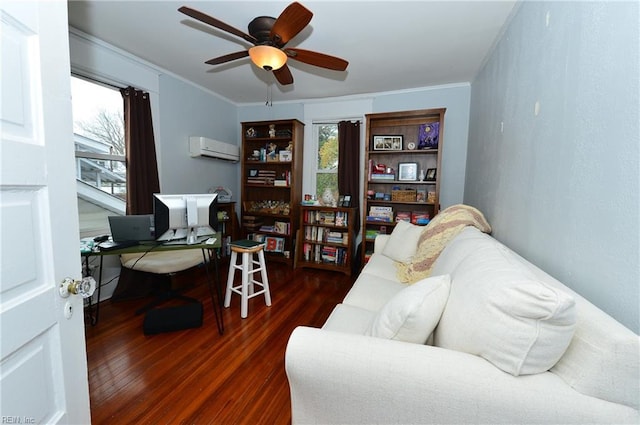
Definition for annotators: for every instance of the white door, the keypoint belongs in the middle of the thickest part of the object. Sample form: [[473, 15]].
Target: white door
[[43, 367]]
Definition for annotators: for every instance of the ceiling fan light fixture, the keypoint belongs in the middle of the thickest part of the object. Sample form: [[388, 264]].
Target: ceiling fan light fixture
[[268, 57]]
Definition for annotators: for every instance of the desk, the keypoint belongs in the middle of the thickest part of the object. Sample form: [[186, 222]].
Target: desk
[[143, 248]]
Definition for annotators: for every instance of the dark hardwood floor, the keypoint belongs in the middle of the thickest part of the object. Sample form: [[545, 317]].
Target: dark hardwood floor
[[196, 376]]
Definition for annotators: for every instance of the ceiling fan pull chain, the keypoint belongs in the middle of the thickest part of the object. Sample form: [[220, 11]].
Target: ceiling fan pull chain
[[269, 101]]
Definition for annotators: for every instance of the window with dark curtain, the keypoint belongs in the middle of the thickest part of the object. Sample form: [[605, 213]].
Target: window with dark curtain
[[349, 163], [142, 165]]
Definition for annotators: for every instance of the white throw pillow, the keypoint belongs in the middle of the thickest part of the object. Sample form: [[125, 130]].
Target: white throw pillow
[[499, 310], [403, 242], [413, 313]]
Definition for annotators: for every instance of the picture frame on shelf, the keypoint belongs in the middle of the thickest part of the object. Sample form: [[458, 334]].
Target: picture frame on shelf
[[431, 175], [346, 203], [408, 171], [285, 156], [387, 143]]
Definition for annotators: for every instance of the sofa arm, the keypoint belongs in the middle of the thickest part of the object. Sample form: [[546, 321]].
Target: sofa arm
[[379, 242], [345, 378]]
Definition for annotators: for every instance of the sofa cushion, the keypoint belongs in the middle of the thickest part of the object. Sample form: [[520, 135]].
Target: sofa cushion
[[371, 292], [499, 310], [413, 313], [403, 242], [346, 318], [381, 266]]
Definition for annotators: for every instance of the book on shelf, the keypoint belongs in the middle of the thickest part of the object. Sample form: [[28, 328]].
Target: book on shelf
[[421, 218], [274, 244], [403, 216], [377, 218], [281, 227], [380, 176]]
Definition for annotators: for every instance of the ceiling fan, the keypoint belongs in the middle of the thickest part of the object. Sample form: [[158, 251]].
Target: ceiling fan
[[269, 37]]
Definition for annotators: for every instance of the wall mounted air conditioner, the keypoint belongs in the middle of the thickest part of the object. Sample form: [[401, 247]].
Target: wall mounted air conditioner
[[202, 146]]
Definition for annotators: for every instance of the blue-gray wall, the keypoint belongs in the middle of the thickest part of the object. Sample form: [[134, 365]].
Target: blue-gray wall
[[186, 110], [455, 98], [559, 181]]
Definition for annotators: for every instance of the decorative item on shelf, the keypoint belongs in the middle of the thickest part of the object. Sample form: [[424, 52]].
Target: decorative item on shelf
[[387, 143], [428, 135], [272, 152], [421, 195], [345, 201], [431, 175], [224, 194], [431, 197], [403, 195], [421, 176], [328, 198], [272, 130], [408, 171], [411, 146], [285, 156], [251, 132], [267, 207]]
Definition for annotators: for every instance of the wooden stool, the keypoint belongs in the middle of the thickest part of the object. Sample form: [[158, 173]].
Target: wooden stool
[[246, 289]]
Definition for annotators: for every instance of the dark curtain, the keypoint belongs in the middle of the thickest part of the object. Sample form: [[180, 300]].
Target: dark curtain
[[349, 163], [140, 148]]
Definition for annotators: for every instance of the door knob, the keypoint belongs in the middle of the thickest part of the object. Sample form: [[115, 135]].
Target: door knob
[[84, 287]]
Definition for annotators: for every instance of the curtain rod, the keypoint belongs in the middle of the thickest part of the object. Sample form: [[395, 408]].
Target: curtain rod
[[97, 81], [336, 120]]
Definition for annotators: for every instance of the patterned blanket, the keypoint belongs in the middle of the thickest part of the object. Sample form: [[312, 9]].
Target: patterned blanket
[[436, 235]]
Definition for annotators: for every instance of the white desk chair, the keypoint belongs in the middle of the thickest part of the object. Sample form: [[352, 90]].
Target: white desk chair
[[164, 263]]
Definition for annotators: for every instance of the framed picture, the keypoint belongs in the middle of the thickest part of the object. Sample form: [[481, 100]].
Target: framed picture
[[387, 143], [347, 201], [431, 175], [341, 201], [408, 171], [285, 156]]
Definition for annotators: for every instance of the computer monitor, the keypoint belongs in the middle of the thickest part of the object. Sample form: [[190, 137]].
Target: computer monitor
[[190, 218]]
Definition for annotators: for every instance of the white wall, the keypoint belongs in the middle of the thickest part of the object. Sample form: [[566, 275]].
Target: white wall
[[559, 181]]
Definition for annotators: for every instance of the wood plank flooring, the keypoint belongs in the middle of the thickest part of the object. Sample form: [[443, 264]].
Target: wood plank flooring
[[196, 376]]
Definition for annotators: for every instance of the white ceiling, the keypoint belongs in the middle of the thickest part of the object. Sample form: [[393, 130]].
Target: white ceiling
[[390, 45]]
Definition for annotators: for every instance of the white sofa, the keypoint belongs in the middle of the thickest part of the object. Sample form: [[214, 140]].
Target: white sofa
[[340, 374]]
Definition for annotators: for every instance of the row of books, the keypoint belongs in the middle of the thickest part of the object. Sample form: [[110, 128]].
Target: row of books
[[332, 218], [325, 254], [321, 234], [415, 217], [385, 214], [281, 227]]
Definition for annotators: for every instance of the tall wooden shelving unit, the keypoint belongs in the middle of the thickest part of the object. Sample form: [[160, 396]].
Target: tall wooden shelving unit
[[399, 196], [271, 189]]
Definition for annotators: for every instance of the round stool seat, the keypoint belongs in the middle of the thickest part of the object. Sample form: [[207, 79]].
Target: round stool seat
[[246, 289], [242, 250]]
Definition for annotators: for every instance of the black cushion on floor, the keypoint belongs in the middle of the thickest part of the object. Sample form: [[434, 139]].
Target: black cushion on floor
[[175, 318]]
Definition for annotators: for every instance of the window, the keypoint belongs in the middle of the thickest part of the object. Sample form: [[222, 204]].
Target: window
[[98, 134], [326, 136]]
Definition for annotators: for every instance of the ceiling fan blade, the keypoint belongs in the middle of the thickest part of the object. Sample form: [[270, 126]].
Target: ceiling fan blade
[[227, 58], [291, 21], [216, 23], [317, 59], [283, 75]]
